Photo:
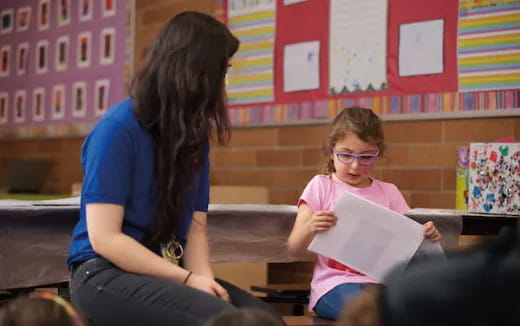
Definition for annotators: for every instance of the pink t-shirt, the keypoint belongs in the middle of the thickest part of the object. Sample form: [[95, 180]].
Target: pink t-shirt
[[320, 194]]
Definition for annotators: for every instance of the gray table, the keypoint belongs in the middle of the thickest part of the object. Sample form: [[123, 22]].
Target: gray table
[[35, 237]]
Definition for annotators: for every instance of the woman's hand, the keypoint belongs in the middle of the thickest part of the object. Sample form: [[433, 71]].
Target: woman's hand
[[207, 284], [321, 221], [431, 232]]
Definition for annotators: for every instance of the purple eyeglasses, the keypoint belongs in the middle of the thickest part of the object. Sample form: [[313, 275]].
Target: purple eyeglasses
[[363, 159]]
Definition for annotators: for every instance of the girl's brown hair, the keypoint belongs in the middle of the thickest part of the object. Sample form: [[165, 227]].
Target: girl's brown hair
[[39, 309], [359, 121], [246, 317]]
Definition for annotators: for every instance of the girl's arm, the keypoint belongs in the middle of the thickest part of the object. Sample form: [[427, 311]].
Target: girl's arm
[[431, 232], [104, 222], [306, 226]]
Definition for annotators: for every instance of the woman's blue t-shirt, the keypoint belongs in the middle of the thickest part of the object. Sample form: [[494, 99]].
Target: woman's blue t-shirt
[[118, 163]]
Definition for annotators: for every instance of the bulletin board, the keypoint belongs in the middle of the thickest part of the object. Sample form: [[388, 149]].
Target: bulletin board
[[302, 61], [63, 63]]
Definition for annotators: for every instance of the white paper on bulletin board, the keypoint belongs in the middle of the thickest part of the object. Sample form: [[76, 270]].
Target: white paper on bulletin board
[[358, 31], [290, 2], [301, 66], [240, 7], [421, 48]]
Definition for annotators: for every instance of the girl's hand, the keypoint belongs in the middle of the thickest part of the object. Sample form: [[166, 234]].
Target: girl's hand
[[431, 232], [322, 221], [208, 285]]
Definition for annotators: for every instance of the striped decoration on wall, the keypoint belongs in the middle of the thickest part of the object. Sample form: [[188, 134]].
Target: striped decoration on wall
[[383, 105], [489, 44], [250, 79]]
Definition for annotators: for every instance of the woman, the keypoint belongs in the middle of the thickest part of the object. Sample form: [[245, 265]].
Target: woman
[[146, 190]]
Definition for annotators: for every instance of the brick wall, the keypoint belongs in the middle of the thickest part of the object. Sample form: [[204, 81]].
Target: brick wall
[[151, 16], [420, 157]]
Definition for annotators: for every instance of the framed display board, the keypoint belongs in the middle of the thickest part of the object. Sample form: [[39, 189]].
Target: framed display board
[[63, 63], [302, 61]]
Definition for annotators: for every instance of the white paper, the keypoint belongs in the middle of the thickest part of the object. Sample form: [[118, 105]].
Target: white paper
[[421, 48], [358, 32], [368, 237], [435, 212], [241, 7], [290, 2], [301, 66], [428, 248]]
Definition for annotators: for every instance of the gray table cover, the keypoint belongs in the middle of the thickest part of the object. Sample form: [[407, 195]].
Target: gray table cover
[[35, 237]]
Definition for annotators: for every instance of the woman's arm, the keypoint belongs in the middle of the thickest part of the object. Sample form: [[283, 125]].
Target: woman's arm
[[306, 226], [196, 256], [104, 223]]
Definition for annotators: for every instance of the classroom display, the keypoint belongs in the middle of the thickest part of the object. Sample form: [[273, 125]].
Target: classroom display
[[494, 178], [63, 63], [301, 61]]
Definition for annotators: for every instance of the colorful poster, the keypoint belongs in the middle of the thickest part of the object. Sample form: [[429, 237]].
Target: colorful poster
[[84, 49], [4, 103], [43, 15], [19, 105], [7, 17], [79, 99], [63, 12], [23, 19], [107, 49], [38, 104], [102, 89], [109, 8], [5, 60], [250, 78], [62, 53], [42, 52], [494, 178], [21, 58], [489, 44], [58, 102], [357, 57], [85, 10]]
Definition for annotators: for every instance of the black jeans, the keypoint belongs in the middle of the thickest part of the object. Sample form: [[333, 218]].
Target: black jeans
[[107, 295]]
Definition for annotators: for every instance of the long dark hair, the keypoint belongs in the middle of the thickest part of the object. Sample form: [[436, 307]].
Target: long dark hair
[[179, 96]]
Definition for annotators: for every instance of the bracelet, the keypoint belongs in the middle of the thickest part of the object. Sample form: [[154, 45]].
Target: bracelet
[[187, 277]]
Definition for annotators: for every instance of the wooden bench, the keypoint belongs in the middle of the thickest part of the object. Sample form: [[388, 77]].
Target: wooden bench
[[296, 294], [306, 320]]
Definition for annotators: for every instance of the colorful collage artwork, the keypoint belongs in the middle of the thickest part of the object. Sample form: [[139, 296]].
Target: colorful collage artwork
[[494, 178], [443, 58], [63, 63]]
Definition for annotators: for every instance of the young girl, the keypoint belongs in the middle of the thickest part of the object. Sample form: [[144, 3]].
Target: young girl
[[146, 190], [354, 144]]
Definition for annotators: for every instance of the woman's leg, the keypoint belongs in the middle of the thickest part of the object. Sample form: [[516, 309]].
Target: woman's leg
[[332, 303], [106, 295]]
